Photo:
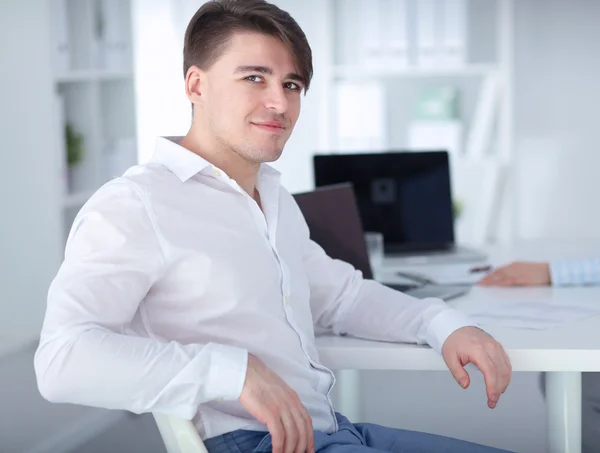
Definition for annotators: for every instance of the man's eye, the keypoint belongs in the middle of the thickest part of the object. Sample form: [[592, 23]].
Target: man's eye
[[254, 78], [293, 86]]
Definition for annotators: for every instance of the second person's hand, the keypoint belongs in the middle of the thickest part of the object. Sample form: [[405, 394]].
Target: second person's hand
[[520, 273]]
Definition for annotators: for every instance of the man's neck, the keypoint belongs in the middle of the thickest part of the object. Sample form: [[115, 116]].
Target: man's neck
[[237, 168]]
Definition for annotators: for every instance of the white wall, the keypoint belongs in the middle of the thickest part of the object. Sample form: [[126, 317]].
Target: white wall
[[30, 223], [161, 105], [556, 108]]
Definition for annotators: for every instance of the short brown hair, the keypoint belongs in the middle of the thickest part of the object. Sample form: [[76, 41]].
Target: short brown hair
[[209, 31]]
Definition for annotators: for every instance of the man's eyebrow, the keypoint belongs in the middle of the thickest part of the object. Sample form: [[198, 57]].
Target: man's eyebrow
[[254, 68], [268, 71]]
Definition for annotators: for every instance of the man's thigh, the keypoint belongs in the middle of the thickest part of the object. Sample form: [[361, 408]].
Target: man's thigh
[[403, 441]]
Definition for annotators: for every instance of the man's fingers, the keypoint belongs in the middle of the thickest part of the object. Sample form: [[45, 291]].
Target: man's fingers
[[497, 280], [484, 362], [458, 371], [301, 428], [275, 427], [310, 435], [291, 432], [493, 278], [504, 369]]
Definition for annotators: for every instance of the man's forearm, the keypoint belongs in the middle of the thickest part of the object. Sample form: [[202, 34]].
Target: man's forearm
[[381, 313]]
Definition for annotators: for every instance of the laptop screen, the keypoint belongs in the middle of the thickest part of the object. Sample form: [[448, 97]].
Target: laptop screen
[[334, 223], [404, 195]]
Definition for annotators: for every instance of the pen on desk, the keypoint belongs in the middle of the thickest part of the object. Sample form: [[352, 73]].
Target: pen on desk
[[478, 269], [416, 278]]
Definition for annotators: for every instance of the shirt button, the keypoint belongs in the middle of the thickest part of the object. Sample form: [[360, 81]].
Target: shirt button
[[287, 301], [217, 172]]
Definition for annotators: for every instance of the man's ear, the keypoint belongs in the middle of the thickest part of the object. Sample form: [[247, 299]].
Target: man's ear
[[194, 80]]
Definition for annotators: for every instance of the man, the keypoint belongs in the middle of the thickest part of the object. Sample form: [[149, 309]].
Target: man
[[561, 274], [190, 285]]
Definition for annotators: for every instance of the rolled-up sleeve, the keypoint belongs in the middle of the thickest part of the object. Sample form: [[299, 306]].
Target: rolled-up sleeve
[[87, 353]]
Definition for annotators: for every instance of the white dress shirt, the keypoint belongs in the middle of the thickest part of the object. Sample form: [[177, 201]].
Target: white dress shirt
[[173, 274]]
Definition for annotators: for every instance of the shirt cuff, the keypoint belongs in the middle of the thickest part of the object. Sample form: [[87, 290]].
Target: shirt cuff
[[558, 270], [226, 373], [443, 325]]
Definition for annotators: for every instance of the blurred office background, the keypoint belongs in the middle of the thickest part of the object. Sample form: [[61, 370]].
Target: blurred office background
[[509, 87]]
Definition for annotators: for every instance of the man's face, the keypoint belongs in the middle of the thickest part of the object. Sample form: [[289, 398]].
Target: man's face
[[251, 97]]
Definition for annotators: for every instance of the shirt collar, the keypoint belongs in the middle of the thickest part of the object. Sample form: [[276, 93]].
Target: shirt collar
[[179, 160], [185, 164]]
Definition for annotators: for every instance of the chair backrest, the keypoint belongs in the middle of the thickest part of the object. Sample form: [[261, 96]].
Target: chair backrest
[[179, 435]]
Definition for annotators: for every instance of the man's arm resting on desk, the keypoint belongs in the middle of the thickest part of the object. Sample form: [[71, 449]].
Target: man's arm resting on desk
[[343, 302], [113, 257]]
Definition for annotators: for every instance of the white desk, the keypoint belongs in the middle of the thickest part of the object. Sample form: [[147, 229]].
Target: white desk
[[563, 352]]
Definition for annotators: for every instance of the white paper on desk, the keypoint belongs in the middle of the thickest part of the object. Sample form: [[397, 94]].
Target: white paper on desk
[[532, 315]]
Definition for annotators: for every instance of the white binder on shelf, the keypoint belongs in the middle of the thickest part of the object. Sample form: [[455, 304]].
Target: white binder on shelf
[[361, 118], [370, 44], [453, 26], [60, 36], [115, 42], [394, 30], [478, 142], [428, 44], [432, 135]]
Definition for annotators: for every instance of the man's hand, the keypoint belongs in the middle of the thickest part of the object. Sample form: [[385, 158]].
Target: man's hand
[[268, 398], [518, 274], [473, 345]]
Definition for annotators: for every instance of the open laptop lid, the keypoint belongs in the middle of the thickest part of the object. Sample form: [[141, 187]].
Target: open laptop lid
[[404, 195], [332, 216]]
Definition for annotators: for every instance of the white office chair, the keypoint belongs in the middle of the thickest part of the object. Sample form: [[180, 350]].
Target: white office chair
[[179, 435]]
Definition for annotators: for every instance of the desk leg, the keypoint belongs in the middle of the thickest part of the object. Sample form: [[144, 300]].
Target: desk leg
[[563, 412], [349, 395]]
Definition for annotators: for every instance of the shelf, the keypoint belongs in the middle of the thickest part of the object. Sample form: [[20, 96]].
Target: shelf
[[76, 200], [349, 72], [486, 158], [93, 76]]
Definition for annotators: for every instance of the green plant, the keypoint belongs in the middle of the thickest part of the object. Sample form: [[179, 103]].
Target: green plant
[[457, 208], [74, 146]]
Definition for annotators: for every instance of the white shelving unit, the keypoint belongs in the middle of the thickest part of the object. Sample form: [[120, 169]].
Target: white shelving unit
[[93, 76], [488, 118], [94, 83], [350, 72]]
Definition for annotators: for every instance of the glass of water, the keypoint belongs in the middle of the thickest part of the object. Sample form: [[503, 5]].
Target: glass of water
[[374, 242]]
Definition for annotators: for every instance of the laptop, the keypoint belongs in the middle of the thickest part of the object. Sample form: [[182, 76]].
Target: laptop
[[334, 223], [406, 196]]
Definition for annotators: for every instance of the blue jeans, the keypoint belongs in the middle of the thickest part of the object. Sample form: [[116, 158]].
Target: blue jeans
[[350, 438]]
